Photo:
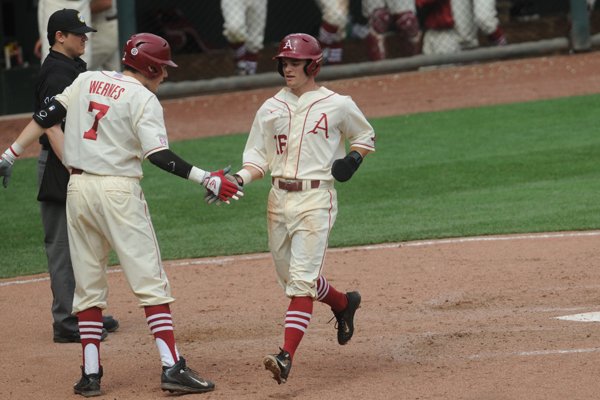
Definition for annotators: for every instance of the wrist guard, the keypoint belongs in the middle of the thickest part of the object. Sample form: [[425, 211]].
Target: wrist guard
[[343, 168]]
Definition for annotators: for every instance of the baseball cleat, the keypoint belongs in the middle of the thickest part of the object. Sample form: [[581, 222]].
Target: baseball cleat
[[279, 365], [345, 319], [88, 385], [181, 379]]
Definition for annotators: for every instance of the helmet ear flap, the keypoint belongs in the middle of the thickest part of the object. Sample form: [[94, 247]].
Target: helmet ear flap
[[312, 67], [308, 68]]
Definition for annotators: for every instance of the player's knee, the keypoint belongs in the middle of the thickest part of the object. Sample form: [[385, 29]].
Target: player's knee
[[336, 17], [296, 288], [235, 33], [486, 24], [380, 20]]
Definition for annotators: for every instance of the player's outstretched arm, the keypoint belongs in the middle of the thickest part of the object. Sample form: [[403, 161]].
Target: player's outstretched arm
[[46, 118], [215, 181]]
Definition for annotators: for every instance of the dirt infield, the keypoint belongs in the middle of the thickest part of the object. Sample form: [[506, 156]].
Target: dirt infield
[[472, 319]]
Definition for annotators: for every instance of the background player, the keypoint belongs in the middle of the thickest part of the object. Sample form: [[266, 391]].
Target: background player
[[332, 31], [244, 29], [114, 122], [47, 7], [453, 25], [299, 136], [391, 15], [105, 46]]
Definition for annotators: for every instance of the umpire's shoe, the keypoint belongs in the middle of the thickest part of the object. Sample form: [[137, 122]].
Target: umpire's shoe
[[345, 319], [279, 365], [181, 379], [109, 323], [74, 337], [88, 385]]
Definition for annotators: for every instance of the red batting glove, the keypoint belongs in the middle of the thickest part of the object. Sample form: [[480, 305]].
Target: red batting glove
[[222, 187]]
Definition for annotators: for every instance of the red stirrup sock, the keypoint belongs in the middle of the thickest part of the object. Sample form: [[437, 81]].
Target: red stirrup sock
[[90, 332], [160, 323], [297, 319], [329, 295]]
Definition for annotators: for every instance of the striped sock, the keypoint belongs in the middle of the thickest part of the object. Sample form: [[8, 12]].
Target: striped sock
[[160, 323], [297, 319], [329, 295], [90, 332]]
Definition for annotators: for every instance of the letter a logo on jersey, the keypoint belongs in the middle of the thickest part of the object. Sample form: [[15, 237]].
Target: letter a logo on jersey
[[321, 125], [288, 45]]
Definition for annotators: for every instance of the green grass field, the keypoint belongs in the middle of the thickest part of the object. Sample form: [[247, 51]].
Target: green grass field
[[528, 167]]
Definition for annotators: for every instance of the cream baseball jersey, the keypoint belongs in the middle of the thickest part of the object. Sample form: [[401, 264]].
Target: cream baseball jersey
[[113, 122], [300, 137]]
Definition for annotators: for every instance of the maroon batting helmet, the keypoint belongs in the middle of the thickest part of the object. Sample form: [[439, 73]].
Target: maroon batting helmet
[[302, 47], [147, 53]]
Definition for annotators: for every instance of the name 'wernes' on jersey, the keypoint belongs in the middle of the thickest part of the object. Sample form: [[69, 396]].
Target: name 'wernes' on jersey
[[106, 89], [113, 122]]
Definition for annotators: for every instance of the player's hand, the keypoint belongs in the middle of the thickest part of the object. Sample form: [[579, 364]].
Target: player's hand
[[222, 187], [5, 169], [210, 197]]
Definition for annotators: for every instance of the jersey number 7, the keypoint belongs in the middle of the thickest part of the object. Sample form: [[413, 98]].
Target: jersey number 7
[[102, 109]]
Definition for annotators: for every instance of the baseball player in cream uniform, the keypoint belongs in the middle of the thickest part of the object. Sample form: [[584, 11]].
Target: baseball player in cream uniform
[[386, 15], [454, 25], [299, 136], [114, 122], [105, 46], [332, 31], [47, 7], [244, 28]]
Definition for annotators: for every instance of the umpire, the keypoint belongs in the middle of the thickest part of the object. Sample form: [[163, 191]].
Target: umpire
[[67, 38]]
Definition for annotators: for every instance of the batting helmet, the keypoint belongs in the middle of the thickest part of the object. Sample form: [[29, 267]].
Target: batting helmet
[[147, 53], [302, 47]]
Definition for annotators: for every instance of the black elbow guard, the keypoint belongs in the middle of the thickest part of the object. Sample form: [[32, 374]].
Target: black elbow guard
[[51, 115], [343, 168], [170, 162]]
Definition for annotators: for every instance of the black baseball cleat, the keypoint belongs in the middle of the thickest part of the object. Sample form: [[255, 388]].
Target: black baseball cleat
[[345, 319], [109, 323], [88, 385], [74, 337], [181, 379], [279, 365]]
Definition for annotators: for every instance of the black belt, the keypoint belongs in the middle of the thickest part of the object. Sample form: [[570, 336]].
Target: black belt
[[76, 171], [112, 17]]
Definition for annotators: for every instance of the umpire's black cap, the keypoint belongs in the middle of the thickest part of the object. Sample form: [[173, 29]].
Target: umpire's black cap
[[67, 20]]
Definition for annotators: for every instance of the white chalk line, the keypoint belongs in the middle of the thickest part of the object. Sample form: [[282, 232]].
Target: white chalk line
[[584, 317], [417, 243], [534, 353]]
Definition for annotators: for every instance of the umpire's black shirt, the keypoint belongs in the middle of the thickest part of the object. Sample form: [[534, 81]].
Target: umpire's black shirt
[[57, 72]]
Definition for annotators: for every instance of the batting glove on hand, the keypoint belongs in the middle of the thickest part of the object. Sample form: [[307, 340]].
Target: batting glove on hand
[[210, 197], [5, 169], [221, 187]]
